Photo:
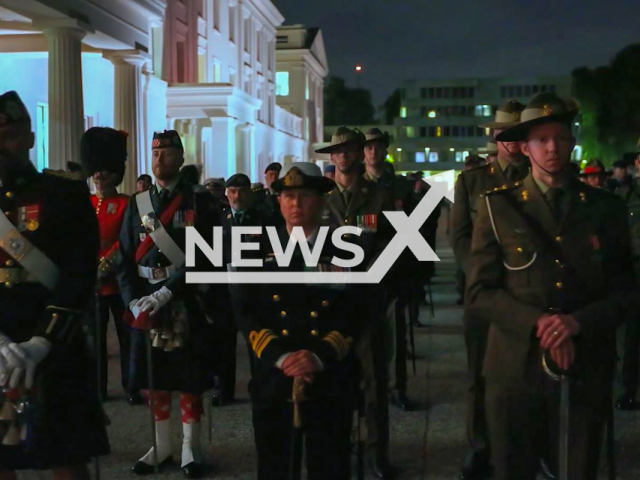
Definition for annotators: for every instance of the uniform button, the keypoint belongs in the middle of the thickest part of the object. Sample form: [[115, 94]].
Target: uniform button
[[558, 239], [285, 332], [314, 314], [8, 284], [9, 194], [9, 263], [325, 303], [519, 250], [314, 333], [559, 285], [346, 221], [54, 316], [276, 298], [283, 314]]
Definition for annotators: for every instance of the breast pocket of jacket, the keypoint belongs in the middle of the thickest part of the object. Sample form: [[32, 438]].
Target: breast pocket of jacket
[[519, 255]]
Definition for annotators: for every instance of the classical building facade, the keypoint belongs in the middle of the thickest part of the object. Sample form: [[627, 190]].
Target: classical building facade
[[204, 67]]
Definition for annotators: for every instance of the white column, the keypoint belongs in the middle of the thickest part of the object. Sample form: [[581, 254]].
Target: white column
[[222, 162], [66, 107], [129, 111]]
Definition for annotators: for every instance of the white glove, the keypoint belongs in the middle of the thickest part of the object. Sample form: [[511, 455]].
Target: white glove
[[23, 358], [155, 301], [134, 309], [5, 369]]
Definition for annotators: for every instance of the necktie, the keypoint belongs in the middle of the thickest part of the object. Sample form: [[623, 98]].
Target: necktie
[[164, 197], [346, 195], [511, 173], [238, 218], [554, 197]]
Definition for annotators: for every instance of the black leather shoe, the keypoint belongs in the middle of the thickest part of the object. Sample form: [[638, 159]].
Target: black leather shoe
[[193, 470], [627, 401], [381, 468], [141, 468], [135, 399], [400, 400]]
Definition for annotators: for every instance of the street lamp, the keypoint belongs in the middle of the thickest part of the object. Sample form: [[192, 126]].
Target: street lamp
[[358, 72]]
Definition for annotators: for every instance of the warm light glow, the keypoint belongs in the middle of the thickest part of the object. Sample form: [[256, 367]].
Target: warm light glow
[[403, 112], [438, 131], [358, 68], [452, 149], [399, 149]]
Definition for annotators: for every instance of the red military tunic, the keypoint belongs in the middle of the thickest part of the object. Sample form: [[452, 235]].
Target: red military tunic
[[110, 212]]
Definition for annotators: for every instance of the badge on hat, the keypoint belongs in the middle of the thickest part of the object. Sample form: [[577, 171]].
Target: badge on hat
[[168, 138]]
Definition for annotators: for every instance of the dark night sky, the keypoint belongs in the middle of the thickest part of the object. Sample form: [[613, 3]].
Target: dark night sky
[[399, 39]]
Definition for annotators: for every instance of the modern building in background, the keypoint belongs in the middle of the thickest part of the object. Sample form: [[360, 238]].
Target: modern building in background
[[438, 122], [204, 67]]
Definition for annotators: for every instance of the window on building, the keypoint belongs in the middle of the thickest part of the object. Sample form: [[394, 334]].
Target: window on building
[[447, 92], [534, 89], [156, 51], [411, 132], [438, 92], [216, 15], [423, 131], [455, 131], [232, 23], [432, 131], [423, 93], [552, 88], [455, 92], [479, 132], [423, 111], [527, 90], [419, 157], [471, 92], [282, 84], [42, 135], [459, 157], [433, 157], [543, 88], [512, 91], [403, 112], [217, 70], [447, 131], [470, 131], [503, 91], [432, 92], [519, 92]]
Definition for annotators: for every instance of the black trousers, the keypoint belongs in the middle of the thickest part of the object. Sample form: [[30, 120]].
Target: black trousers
[[226, 368], [401, 345], [631, 357], [115, 305], [327, 442]]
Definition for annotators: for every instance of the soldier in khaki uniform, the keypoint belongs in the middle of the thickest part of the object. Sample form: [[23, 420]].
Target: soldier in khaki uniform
[[629, 192], [359, 202], [549, 270], [510, 166]]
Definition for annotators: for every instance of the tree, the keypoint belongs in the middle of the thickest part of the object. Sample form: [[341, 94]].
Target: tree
[[610, 106], [391, 107], [347, 106]]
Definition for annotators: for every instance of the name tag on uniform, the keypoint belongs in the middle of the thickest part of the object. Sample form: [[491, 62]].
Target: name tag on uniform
[[368, 223], [112, 208], [184, 218], [28, 218]]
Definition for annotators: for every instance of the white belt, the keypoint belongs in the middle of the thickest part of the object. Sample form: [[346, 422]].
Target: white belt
[[156, 274]]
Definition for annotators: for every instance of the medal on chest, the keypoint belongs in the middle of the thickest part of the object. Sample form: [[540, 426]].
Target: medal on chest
[[368, 223], [29, 218], [112, 208], [184, 218]]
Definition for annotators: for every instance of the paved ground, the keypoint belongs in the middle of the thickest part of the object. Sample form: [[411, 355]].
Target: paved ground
[[442, 361]]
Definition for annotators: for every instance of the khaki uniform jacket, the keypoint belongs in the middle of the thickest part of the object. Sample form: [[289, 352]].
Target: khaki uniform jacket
[[524, 263], [469, 186]]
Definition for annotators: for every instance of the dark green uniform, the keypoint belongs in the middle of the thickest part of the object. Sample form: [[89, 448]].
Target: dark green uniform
[[469, 186], [525, 262]]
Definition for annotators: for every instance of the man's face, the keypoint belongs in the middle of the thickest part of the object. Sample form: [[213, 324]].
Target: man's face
[[619, 173], [142, 185], [15, 142], [506, 148], [239, 197], [105, 180], [270, 177], [375, 153], [301, 207], [346, 157], [549, 147], [595, 180], [166, 162]]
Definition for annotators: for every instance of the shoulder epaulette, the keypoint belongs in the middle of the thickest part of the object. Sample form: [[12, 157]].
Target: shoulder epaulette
[[503, 188]]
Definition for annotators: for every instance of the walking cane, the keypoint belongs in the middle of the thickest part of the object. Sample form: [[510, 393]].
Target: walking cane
[[297, 394], [97, 348], [148, 348], [563, 440]]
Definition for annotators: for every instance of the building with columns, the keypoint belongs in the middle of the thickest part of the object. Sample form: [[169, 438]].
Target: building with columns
[[204, 67]]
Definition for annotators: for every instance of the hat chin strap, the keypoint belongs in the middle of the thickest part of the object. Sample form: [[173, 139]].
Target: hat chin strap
[[532, 158]]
